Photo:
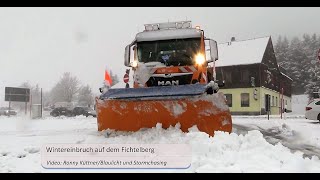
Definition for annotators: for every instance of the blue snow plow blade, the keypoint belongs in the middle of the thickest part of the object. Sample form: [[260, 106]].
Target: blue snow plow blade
[[155, 92]]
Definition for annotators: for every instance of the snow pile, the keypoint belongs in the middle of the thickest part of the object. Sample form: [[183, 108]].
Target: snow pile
[[299, 132], [224, 152], [19, 150], [142, 75], [284, 130], [175, 108]]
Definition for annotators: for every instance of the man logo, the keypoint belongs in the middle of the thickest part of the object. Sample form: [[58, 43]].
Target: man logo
[[168, 83]]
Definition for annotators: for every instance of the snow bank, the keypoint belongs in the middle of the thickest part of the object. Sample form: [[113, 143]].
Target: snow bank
[[224, 152], [19, 152], [298, 130]]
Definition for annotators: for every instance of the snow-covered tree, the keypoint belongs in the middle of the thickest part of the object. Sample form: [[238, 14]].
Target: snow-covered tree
[[299, 59], [313, 81], [46, 98], [114, 78], [85, 96], [65, 90], [36, 95], [281, 51]]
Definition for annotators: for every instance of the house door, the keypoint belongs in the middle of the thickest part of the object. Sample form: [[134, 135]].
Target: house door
[[267, 99]]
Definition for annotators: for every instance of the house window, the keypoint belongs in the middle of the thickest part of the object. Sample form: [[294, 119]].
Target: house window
[[229, 99], [272, 101], [276, 101], [245, 76], [229, 77], [244, 99]]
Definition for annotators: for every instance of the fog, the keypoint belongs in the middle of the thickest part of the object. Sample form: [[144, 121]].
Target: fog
[[38, 44]]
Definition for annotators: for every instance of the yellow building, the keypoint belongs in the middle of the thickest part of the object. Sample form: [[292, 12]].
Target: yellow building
[[252, 74]]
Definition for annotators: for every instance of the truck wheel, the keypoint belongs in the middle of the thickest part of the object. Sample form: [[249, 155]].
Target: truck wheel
[[318, 117]]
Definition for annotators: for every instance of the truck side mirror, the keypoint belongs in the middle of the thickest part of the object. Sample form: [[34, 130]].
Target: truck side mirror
[[213, 50], [127, 56]]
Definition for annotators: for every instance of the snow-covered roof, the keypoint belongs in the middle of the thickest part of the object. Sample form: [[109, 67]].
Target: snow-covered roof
[[168, 34], [242, 52]]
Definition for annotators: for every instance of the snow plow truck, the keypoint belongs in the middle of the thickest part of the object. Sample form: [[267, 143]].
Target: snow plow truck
[[174, 81]]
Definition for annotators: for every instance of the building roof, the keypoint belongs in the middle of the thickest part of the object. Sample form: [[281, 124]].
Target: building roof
[[242, 52]]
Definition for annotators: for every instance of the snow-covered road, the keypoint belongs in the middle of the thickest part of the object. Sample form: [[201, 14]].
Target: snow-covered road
[[296, 133], [256, 144]]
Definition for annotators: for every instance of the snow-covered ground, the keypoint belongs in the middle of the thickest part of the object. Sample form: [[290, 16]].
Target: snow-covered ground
[[247, 149], [295, 132]]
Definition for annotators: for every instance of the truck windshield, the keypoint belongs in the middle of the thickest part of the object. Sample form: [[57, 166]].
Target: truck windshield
[[176, 52]]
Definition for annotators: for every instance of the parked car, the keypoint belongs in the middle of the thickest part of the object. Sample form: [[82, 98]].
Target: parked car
[[313, 110], [6, 111], [86, 111], [92, 113], [61, 111], [48, 108]]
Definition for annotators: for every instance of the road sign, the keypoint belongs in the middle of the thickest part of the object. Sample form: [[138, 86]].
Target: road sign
[[17, 94], [126, 78]]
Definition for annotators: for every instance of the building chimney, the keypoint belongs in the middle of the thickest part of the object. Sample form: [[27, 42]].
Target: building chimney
[[233, 39]]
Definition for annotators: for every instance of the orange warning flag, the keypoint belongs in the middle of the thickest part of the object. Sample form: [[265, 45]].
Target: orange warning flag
[[107, 77]]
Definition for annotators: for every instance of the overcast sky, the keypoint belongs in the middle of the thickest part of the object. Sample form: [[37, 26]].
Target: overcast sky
[[38, 44]]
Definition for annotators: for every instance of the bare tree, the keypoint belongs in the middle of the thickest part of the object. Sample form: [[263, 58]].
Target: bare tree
[[46, 98], [85, 96], [66, 89], [114, 78], [35, 94], [26, 85]]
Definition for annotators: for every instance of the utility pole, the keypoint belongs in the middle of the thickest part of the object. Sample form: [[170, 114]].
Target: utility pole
[[281, 101], [41, 103], [30, 105], [26, 104], [9, 104]]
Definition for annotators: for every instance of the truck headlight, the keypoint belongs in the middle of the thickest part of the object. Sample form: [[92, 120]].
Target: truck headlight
[[134, 64], [200, 59]]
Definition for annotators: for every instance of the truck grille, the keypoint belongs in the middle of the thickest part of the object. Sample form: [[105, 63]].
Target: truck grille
[[167, 81]]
